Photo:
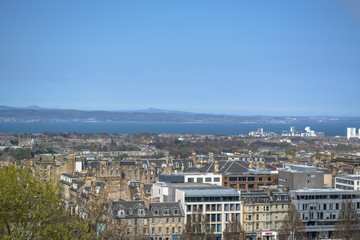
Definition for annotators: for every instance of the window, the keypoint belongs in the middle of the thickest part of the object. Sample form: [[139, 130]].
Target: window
[[218, 227], [153, 230], [217, 179], [242, 179], [166, 211], [141, 212], [207, 179], [190, 179], [179, 220], [199, 180], [159, 230], [179, 230], [121, 213], [173, 230], [207, 207]]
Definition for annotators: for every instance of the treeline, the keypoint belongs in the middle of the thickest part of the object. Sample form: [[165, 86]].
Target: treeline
[[215, 145]]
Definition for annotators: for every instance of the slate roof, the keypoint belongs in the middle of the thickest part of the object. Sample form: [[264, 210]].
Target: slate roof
[[126, 162], [226, 167], [130, 209], [93, 164], [166, 209]]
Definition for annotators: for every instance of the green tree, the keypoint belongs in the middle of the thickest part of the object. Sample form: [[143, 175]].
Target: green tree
[[30, 209]]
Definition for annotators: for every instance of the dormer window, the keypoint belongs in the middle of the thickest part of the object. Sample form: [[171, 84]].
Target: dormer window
[[130, 211], [176, 211], [190, 164], [121, 213], [141, 212], [102, 170], [156, 211], [75, 186], [165, 211], [177, 165], [97, 189]]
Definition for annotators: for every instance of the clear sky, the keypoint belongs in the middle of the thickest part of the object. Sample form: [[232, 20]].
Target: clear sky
[[240, 57]]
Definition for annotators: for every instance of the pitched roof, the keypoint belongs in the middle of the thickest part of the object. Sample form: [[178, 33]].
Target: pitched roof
[[166, 209], [226, 167]]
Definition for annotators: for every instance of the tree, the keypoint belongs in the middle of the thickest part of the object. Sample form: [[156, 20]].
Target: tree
[[233, 231], [99, 214], [348, 224], [30, 209], [197, 227], [292, 228]]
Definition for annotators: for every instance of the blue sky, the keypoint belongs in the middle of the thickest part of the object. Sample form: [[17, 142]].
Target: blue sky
[[236, 57]]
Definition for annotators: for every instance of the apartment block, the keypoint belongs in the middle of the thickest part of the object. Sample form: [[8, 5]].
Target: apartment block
[[319, 209]]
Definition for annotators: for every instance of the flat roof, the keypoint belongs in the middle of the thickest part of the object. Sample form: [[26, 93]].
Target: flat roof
[[352, 177], [323, 191], [209, 192]]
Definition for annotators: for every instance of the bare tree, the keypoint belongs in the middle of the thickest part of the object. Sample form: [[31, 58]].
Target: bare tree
[[292, 228], [197, 227], [348, 225], [97, 206], [233, 231]]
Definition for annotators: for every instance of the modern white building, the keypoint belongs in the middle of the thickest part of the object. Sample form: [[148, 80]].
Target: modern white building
[[211, 178], [219, 204], [351, 133], [348, 182], [319, 209]]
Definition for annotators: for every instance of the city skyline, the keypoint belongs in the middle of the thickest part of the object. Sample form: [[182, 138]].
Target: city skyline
[[242, 58]]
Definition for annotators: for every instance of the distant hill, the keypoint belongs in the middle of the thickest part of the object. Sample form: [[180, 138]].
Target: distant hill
[[35, 113], [2, 107]]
